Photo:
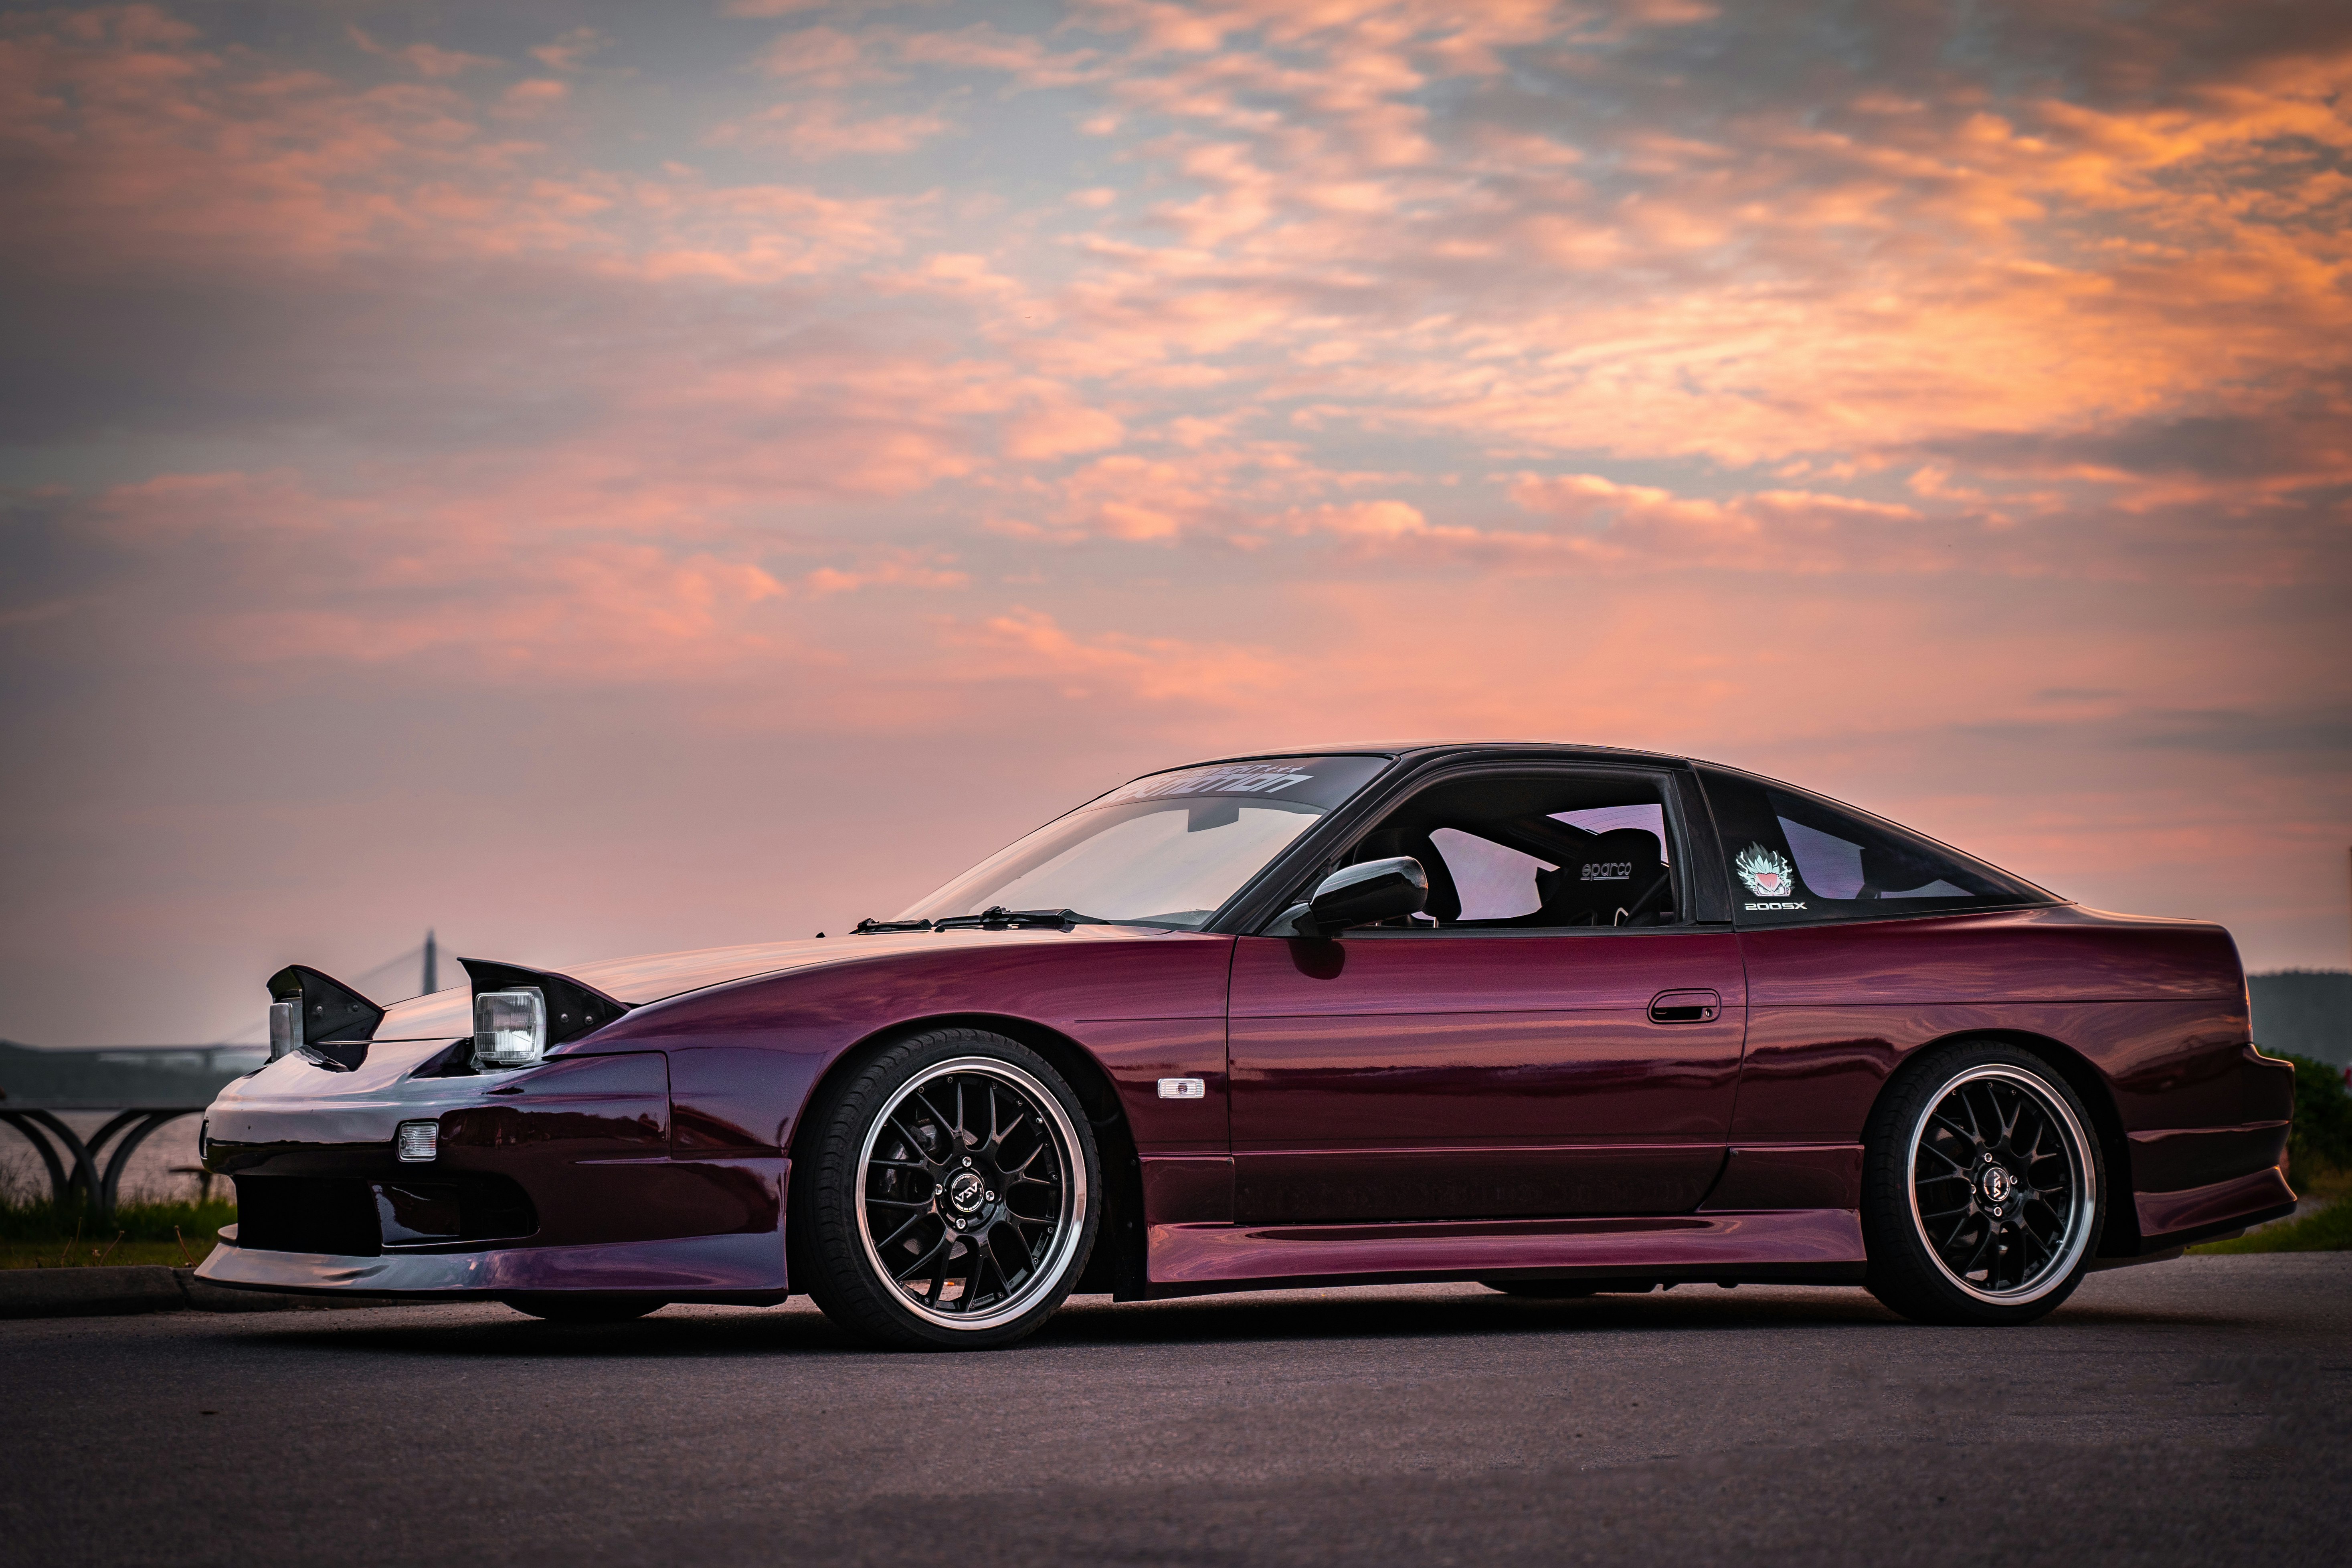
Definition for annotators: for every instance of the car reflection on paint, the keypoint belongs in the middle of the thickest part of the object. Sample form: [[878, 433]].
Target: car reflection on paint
[[1558, 1019]]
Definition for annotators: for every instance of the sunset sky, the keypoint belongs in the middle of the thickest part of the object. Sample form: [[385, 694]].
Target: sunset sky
[[597, 478]]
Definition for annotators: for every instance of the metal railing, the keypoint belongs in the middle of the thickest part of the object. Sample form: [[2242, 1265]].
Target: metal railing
[[147, 1088]]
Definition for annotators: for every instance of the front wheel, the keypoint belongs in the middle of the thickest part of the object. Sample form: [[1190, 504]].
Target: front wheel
[[947, 1201], [1983, 1190]]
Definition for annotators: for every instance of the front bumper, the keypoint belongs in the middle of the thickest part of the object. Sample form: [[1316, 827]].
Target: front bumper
[[742, 1269], [558, 1177]]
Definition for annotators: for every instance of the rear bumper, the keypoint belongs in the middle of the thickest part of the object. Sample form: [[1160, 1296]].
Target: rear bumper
[[2195, 1183], [748, 1269], [2200, 1214]]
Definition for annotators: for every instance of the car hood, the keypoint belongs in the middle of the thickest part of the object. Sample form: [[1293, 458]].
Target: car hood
[[656, 977]]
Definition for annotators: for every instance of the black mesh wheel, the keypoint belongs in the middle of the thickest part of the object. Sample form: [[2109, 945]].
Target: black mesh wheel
[[947, 1198], [1983, 1187]]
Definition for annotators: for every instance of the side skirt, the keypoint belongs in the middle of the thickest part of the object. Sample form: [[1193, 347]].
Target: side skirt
[[1820, 1245]]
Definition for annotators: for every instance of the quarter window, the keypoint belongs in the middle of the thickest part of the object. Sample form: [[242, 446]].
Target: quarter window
[[1795, 857]]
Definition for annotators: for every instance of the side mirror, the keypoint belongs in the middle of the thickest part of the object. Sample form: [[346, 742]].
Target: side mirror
[[1363, 895]]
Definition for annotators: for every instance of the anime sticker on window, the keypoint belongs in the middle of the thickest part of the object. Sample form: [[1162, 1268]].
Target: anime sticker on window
[[1767, 874]]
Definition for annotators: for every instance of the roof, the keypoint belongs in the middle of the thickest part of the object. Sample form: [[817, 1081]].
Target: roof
[[1408, 748]]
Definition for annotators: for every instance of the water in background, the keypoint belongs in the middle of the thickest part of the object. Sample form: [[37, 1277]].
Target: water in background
[[157, 1169]]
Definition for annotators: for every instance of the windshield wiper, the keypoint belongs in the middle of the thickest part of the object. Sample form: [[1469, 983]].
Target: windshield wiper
[[999, 918], [870, 924]]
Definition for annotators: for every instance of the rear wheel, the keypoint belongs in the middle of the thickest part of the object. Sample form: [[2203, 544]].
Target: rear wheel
[[1983, 1189], [565, 1307], [948, 1200]]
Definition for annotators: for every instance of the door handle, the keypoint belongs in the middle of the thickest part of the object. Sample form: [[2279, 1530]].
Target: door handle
[[1685, 1007]]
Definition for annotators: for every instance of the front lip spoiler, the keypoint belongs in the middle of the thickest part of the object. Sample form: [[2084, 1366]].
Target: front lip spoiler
[[746, 1269]]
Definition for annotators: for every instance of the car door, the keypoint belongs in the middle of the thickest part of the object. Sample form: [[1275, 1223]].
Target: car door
[[1489, 1063]]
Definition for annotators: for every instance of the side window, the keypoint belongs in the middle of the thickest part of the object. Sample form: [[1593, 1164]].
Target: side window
[[1795, 857], [1647, 816], [1491, 881], [1537, 851], [1835, 867]]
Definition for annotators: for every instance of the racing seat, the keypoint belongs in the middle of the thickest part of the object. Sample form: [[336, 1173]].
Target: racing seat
[[1617, 879]]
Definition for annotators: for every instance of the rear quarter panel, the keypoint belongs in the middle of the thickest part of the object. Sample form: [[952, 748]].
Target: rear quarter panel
[[2156, 1008]]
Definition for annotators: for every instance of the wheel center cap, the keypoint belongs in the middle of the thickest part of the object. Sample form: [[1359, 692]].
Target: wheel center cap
[[1996, 1183], [964, 1189]]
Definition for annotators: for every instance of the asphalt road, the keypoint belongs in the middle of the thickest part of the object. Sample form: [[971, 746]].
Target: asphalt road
[[2195, 1411]]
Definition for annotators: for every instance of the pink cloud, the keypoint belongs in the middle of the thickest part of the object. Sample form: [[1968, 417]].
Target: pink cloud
[[1030, 646], [821, 129], [425, 59], [570, 51]]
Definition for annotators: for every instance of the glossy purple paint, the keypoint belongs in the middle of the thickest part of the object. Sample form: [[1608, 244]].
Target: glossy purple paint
[[1383, 1105], [1791, 1244], [1397, 1075]]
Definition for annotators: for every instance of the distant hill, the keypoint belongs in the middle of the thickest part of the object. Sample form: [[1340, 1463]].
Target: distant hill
[[2305, 1011]]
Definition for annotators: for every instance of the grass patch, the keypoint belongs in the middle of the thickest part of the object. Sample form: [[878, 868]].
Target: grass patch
[[44, 1255], [46, 1235], [2325, 1229]]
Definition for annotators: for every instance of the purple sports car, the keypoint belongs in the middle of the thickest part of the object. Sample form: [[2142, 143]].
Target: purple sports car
[[1557, 1019]]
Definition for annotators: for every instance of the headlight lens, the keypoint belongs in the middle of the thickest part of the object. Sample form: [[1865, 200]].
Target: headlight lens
[[510, 1027], [285, 1028]]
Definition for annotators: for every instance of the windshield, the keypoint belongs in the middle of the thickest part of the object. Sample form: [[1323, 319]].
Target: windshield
[[1168, 849]]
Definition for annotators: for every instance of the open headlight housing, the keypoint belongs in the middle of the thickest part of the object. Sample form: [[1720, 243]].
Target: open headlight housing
[[285, 1028], [510, 1027]]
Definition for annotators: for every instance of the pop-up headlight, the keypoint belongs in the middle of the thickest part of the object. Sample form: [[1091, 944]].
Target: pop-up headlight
[[319, 1017], [285, 1028], [510, 1027]]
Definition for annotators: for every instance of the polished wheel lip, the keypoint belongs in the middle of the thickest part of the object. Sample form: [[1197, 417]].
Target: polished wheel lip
[[1046, 1274], [2077, 1237]]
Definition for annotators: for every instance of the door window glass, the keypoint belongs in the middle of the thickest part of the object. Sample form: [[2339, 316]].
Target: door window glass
[[1551, 850], [1492, 881], [1648, 816]]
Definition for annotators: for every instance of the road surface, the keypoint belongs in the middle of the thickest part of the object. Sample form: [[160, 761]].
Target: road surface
[[2194, 1411]]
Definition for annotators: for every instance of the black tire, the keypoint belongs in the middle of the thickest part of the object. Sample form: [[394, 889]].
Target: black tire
[[566, 1307], [1984, 1188], [965, 1160], [1541, 1289]]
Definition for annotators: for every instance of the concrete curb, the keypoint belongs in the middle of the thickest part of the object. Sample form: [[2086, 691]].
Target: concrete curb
[[112, 1292]]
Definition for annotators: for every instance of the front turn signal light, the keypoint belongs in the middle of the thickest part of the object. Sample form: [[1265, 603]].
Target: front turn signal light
[[418, 1142], [510, 1027]]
